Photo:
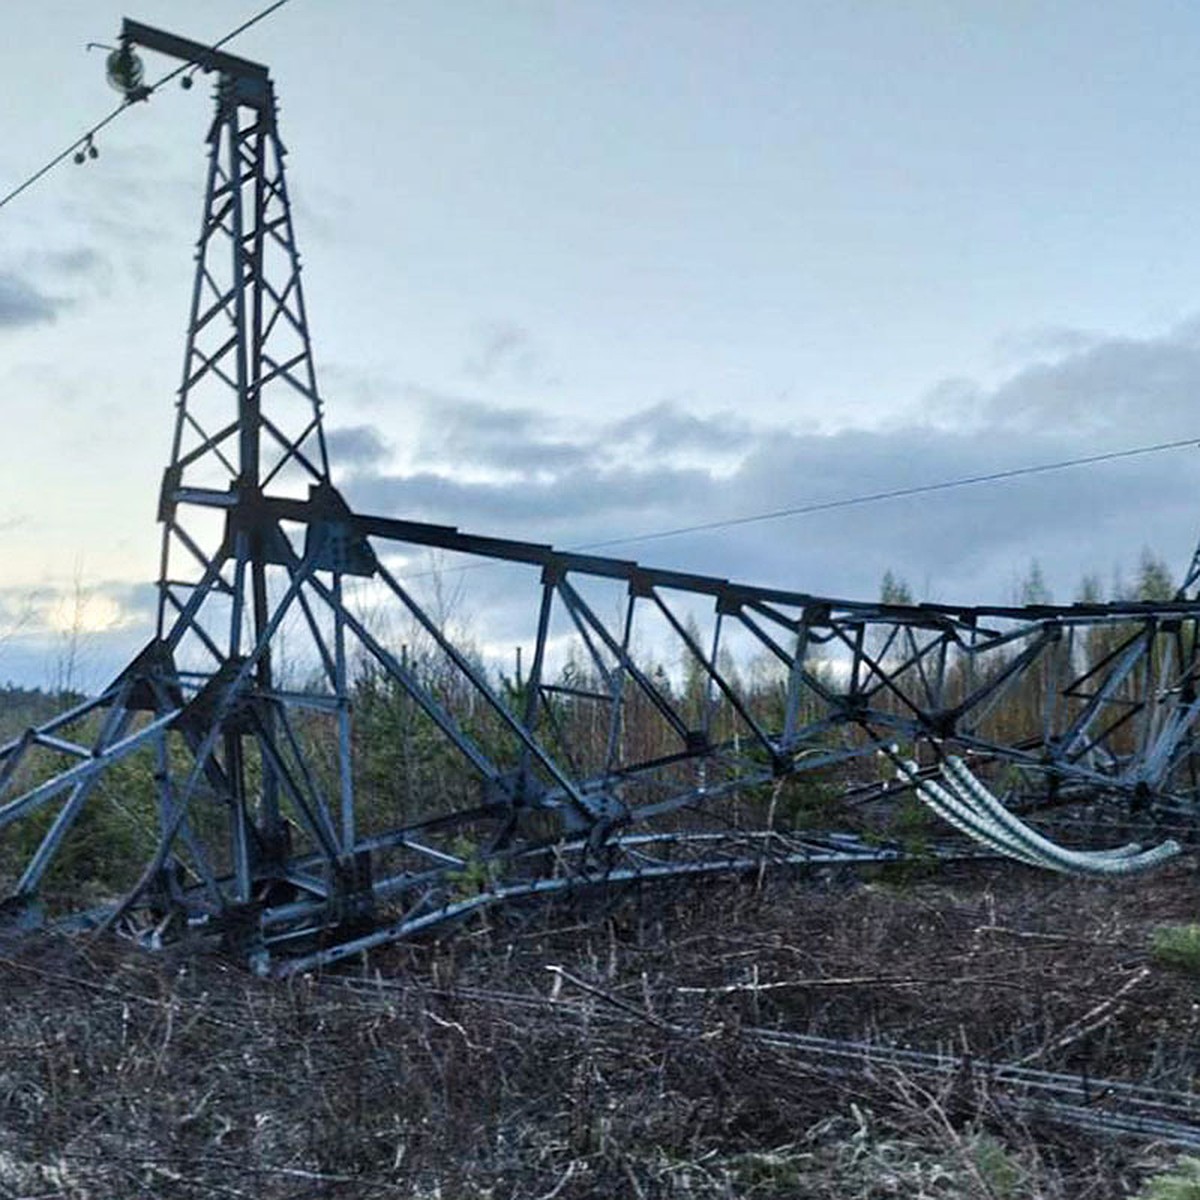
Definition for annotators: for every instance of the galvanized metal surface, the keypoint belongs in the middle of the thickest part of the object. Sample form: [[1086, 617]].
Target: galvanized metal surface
[[262, 831]]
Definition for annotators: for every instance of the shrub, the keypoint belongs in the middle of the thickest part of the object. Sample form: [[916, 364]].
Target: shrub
[[1177, 946], [1183, 1183]]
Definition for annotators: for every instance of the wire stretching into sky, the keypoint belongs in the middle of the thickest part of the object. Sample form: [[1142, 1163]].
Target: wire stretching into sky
[[85, 138], [816, 506]]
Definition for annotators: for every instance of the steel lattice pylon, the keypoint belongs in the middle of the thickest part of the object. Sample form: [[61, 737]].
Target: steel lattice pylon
[[262, 827]]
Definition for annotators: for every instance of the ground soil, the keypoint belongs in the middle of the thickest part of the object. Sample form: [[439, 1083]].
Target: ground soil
[[607, 1048]]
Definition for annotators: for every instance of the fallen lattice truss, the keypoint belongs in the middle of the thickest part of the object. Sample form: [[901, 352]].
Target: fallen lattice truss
[[308, 759]]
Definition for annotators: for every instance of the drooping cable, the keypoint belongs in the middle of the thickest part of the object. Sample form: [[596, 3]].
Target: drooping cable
[[966, 804]]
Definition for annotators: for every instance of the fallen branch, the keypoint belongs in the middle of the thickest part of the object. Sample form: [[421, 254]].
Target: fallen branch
[[849, 981], [1091, 1020]]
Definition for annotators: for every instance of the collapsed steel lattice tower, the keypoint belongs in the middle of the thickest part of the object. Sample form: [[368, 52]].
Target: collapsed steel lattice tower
[[262, 829]]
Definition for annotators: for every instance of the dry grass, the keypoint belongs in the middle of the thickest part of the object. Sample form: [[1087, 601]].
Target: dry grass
[[467, 1068]]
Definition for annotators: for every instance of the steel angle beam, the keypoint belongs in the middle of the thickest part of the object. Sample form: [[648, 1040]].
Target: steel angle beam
[[308, 784]]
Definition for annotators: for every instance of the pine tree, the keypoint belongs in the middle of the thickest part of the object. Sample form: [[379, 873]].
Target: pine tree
[[894, 590]]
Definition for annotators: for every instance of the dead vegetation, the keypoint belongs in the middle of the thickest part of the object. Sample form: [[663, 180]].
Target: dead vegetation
[[612, 1048]]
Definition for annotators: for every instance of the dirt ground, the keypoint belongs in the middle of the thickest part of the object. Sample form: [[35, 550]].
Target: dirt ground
[[611, 1047]]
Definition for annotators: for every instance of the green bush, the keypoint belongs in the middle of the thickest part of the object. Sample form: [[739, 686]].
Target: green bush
[[997, 1167], [1177, 946], [1182, 1183]]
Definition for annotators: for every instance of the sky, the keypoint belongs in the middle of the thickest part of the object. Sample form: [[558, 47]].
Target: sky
[[581, 272]]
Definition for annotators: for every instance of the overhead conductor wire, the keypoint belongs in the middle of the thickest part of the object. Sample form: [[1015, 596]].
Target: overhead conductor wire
[[816, 506], [85, 139]]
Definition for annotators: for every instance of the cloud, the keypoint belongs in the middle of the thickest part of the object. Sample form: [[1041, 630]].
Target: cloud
[[356, 445], [516, 472], [25, 302], [73, 263], [588, 502], [1045, 342], [606, 482], [351, 385], [505, 350], [133, 200], [22, 303], [665, 428], [467, 434], [1145, 387], [73, 635], [80, 270], [471, 434]]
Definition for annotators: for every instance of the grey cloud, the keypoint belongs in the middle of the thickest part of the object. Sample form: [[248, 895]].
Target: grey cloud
[[321, 211], [1117, 385], [953, 400], [356, 446], [76, 270], [468, 432], [460, 422], [24, 603], [134, 599], [505, 349], [33, 652], [22, 304], [969, 544], [580, 502], [458, 433], [962, 544], [131, 201], [16, 608], [75, 262], [972, 544], [1045, 342], [472, 433], [25, 302], [666, 427]]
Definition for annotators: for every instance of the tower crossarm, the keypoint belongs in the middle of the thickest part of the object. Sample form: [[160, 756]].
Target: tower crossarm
[[186, 50]]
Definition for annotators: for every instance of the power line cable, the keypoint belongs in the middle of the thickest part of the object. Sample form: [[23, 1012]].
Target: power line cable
[[85, 139], [816, 506], [804, 509]]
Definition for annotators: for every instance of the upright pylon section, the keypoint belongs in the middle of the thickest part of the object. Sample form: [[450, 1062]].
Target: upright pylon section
[[204, 697], [248, 425], [248, 419]]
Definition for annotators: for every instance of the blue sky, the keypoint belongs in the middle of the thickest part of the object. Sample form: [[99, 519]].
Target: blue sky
[[581, 271]]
